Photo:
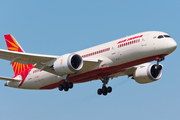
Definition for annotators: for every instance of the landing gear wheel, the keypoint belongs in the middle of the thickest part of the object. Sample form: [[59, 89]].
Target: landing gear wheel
[[104, 88], [65, 84], [159, 67], [99, 92], [105, 92], [61, 87], [109, 89], [70, 85], [66, 89], [159, 59]]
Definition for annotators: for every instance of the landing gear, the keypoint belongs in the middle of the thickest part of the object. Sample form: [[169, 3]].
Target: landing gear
[[104, 90], [61, 87], [65, 86], [159, 59]]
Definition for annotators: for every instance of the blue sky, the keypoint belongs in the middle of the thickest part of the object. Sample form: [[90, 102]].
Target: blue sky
[[60, 27]]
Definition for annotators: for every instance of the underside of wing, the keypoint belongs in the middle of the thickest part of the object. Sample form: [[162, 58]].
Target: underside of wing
[[128, 71]]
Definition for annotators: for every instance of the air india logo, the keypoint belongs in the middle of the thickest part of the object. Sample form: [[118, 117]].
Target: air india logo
[[61, 62]]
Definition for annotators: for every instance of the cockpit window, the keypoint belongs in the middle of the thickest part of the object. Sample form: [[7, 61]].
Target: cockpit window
[[160, 36], [163, 36], [166, 36]]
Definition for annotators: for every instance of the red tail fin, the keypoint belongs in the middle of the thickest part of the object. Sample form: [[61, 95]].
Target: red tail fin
[[13, 45]]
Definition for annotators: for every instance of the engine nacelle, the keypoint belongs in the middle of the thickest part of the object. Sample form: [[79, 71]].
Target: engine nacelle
[[148, 73], [68, 63]]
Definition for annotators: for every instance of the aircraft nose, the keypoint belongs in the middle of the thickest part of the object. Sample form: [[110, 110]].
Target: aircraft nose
[[172, 45]]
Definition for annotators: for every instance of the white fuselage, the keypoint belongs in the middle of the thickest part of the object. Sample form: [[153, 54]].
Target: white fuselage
[[127, 52]]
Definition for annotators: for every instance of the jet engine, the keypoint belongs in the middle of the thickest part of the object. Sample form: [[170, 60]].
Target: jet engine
[[68, 63], [148, 73]]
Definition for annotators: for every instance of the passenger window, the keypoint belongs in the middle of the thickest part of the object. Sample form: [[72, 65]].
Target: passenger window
[[160, 36]]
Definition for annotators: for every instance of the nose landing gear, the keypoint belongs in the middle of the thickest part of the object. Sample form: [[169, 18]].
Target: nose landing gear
[[159, 59]]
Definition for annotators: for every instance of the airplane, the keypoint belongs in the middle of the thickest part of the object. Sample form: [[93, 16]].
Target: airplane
[[126, 56]]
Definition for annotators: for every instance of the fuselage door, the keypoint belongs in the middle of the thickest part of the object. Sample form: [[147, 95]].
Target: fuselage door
[[113, 49], [144, 40], [116, 54]]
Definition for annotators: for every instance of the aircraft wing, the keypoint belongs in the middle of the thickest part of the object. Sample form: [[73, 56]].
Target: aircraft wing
[[129, 71], [42, 62], [10, 79], [25, 58]]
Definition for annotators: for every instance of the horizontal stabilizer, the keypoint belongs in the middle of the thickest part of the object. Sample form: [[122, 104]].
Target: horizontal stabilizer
[[9, 79]]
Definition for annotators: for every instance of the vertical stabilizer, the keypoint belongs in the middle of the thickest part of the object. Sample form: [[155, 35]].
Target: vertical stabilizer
[[13, 45]]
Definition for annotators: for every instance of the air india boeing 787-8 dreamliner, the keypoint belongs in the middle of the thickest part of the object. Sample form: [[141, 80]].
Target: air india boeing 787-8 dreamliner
[[126, 56]]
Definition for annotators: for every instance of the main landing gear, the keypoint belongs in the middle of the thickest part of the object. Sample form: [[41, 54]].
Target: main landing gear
[[105, 90], [65, 86]]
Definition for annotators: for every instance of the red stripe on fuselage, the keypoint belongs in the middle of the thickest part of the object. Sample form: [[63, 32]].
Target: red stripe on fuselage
[[100, 73]]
